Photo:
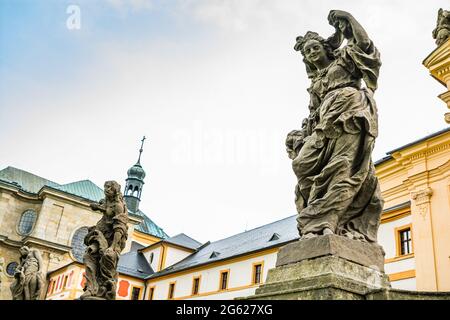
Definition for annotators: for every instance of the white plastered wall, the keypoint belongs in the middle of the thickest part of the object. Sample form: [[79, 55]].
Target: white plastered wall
[[239, 282], [387, 239]]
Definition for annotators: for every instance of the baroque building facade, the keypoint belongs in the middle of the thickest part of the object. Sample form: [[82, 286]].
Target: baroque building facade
[[53, 218], [415, 183]]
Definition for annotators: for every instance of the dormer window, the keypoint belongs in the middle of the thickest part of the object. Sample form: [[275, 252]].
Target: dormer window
[[214, 254], [274, 237]]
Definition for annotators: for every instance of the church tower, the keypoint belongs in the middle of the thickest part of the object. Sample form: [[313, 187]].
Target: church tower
[[134, 183]]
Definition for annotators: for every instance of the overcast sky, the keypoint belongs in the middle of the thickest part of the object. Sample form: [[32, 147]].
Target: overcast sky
[[214, 85]]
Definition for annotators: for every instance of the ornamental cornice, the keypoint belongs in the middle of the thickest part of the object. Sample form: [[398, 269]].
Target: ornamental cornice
[[406, 159], [438, 62]]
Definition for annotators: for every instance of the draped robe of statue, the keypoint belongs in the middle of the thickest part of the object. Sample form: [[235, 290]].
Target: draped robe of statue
[[104, 242], [337, 187], [29, 280]]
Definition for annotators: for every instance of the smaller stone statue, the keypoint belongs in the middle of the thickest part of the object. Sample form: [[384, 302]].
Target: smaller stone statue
[[442, 31], [29, 279], [105, 241]]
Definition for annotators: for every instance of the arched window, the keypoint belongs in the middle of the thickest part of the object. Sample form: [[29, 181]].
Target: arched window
[[130, 190], [136, 191], [26, 222], [78, 246]]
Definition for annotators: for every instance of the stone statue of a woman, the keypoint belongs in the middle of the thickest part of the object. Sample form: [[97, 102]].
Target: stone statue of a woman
[[337, 190]]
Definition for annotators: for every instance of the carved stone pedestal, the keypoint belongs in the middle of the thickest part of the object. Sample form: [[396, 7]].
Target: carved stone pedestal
[[325, 267]]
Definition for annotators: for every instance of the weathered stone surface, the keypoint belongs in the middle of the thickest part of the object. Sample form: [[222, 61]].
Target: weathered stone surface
[[395, 294], [105, 241], [327, 277], [363, 253], [337, 191], [442, 31], [29, 281]]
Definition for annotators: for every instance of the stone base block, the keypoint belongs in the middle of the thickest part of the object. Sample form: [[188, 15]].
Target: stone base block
[[325, 267], [322, 278], [362, 253]]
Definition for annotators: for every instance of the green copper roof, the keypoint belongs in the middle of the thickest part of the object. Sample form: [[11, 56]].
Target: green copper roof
[[149, 227], [85, 189], [27, 181], [32, 183]]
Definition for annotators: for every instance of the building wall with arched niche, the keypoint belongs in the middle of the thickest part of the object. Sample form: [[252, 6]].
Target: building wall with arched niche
[[59, 215]]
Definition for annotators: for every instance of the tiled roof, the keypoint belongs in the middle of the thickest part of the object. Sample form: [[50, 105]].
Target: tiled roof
[[183, 240], [243, 243], [85, 189], [134, 264]]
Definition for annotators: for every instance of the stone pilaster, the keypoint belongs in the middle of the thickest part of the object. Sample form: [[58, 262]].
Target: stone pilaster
[[423, 239]]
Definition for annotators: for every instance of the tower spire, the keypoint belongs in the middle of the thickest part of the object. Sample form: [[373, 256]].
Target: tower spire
[[141, 149], [134, 183]]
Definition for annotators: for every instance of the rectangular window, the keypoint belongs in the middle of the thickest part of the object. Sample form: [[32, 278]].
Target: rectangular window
[[257, 271], [151, 293], [405, 241], [223, 280], [135, 293], [195, 285], [171, 290], [65, 281]]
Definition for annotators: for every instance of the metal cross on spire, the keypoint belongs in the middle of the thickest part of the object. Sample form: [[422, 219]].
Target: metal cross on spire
[[141, 149]]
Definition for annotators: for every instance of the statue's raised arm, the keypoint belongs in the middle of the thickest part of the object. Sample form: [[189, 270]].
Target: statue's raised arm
[[350, 28]]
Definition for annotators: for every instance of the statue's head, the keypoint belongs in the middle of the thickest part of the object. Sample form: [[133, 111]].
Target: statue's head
[[111, 189], [313, 48], [24, 250]]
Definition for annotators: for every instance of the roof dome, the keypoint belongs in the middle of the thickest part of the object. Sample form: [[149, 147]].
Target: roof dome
[[136, 171]]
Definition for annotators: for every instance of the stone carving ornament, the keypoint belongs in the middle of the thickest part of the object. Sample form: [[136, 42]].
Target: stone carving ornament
[[29, 279], [442, 31], [337, 190], [105, 241]]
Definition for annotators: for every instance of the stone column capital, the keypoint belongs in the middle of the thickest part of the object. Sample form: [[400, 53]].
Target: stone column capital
[[422, 196]]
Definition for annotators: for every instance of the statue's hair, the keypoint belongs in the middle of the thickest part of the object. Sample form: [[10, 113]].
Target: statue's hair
[[330, 45]]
